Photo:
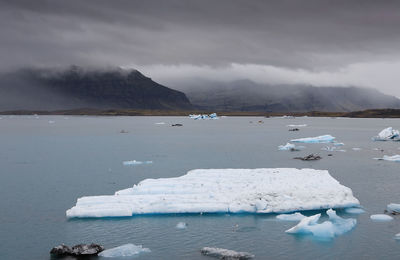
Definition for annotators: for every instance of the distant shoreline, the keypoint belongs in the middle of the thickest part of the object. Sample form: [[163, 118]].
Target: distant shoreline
[[371, 113]]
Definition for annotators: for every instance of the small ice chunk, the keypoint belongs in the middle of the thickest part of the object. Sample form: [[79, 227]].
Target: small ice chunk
[[387, 134], [181, 225], [317, 139], [332, 149], [290, 147], [356, 149], [225, 253], [397, 236], [354, 210], [124, 250], [134, 162], [291, 217], [295, 126], [160, 123], [381, 217], [199, 116], [338, 144], [393, 208], [394, 158], [335, 226], [51, 121]]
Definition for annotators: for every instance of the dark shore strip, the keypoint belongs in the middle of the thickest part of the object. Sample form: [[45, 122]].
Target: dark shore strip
[[372, 113]]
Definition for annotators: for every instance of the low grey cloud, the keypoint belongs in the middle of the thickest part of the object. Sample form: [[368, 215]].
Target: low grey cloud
[[311, 37]]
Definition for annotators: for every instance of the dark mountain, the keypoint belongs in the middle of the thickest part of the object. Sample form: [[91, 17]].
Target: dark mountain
[[51, 89], [245, 95]]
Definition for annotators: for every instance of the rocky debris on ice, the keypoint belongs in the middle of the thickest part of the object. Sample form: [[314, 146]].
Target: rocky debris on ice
[[310, 157], [381, 217], [290, 147], [77, 250], [387, 134], [124, 251], [134, 162], [266, 190], [335, 226], [394, 158], [291, 217], [317, 139], [222, 253]]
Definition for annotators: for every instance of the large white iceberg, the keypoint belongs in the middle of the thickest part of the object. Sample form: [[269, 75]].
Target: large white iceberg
[[274, 190], [124, 251], [394, 158], [387, 134], [335, 226], [317, 139]]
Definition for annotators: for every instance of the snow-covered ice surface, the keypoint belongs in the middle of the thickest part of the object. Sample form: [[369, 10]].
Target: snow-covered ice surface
[[317, 139], [335, 226], [265, 190], [291, 217], [181, 225], [387, 134], [354, 210], [134, 162], [222, 253], [290, 147], [381, 217], [393, 208], [124, 251], [394, 158]]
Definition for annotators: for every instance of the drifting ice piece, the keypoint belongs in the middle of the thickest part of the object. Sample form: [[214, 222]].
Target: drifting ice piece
[[393, 208], [291, 217], [381, 217], [210, 116], [134, 162], [387, 134], [124, 250], [275, 190], [290, 147], [295, 126], [225, 253], [317, 139], [335, 226], [397, 236], [181, 225], [394, 158], [354, 210]]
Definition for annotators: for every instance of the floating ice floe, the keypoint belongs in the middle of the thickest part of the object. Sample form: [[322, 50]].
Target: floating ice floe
[[134, 162], [338, 144], [291, 217], [397, 236], [160, 123], [274, 190], [354, 210], [394, 158], [332, 149], [381, 217], [124, 251], [317, 139], [181, 225], [295, 126], [199, 116], [387, 134], [222, 253], [335, 226], [393, 208], [51, 121], [290, 147], [356, 149]]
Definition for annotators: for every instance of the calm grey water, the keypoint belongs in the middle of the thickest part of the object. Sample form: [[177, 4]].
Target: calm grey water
[[46, 166]]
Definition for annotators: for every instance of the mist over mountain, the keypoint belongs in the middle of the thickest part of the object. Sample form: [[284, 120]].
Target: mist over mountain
[[245, 95], [75, 87]]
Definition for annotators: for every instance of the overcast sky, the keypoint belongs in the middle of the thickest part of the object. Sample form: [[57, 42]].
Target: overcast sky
[[350, 42]]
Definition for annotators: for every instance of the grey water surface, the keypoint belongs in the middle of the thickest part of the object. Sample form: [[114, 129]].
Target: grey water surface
[[47, 162]]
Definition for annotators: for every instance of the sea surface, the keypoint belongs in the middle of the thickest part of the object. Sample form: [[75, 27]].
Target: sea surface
[[47, 162]]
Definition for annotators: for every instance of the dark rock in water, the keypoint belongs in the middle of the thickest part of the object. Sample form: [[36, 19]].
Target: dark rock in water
[[176, 125], [311, 157], [77, 250], [330, 154], [294, 129], [222, 253]]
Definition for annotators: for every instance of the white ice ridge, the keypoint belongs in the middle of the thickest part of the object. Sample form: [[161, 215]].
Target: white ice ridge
[[290, 147], [387, 134], [335, 226], [394, 158], [222, 253], [124, 251], [265, 190], [317, 139]]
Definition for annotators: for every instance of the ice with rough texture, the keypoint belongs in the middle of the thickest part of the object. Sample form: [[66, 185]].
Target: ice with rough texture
[[335, 226], [317, 139], [354, 210], [291, 217], [393, 208], [394, 158], [134, 162], [381, 217], [124, 251], [290, 147], [265, 190], [225, 253], [181, 225], [387, 134]]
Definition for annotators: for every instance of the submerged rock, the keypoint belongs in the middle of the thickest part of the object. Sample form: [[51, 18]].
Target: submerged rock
[[77, 250], [294, 129], [176, 125], [222, 253], [310, 157]]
